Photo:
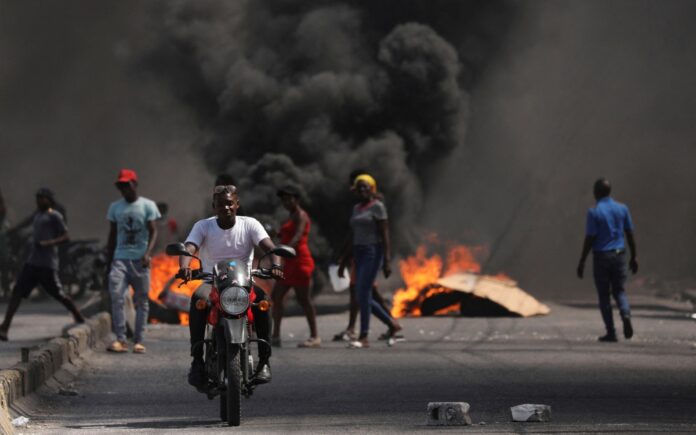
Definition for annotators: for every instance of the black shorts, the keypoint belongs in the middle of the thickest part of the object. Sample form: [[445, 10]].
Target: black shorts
[[31, 276]]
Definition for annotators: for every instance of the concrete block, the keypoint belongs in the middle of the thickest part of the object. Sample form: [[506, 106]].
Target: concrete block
[[531, 413], [448, 414]]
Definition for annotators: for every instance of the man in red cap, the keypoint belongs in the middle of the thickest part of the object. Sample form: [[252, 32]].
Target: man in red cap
[[132, 236]]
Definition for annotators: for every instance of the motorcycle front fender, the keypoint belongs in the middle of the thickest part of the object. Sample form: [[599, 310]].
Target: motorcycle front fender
[[235, 329]]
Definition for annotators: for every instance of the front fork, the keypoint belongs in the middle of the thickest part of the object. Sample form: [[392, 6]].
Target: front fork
[[234, 331]]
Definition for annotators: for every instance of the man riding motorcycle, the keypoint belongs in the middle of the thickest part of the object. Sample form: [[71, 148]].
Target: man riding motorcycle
[[221, 237]]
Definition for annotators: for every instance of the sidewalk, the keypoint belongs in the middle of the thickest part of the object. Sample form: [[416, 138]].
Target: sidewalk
[[34, 324]]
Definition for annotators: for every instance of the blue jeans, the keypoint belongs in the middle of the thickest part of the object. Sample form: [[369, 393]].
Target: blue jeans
[[368, 259], [126, 273], [609, 270]]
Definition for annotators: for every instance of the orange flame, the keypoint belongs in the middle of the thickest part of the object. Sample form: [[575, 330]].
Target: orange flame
[[162, 270], [420, 273]]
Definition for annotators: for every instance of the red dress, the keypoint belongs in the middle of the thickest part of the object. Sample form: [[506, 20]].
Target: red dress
[[298, 270]]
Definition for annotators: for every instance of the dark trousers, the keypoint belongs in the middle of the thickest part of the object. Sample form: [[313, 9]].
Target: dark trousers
[[29, 278], [609, 269], [198, 319]]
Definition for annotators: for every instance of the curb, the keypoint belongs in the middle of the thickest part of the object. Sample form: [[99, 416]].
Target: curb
[[24, 378]]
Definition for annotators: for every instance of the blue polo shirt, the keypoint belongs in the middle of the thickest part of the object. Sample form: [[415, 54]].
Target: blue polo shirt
[[606, 222]]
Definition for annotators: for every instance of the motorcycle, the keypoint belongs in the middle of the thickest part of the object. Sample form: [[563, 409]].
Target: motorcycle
[[229, 364]]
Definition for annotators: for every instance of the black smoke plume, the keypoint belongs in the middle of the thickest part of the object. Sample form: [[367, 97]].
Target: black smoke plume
[[304, 92]]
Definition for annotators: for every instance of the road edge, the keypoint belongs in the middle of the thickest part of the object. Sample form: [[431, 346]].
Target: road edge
[[24, 378]]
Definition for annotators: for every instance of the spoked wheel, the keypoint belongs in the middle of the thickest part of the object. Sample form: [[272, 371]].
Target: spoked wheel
[[234, 385]]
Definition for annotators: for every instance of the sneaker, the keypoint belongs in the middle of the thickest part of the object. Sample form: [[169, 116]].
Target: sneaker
[[627, 327], [359, 344], [263, 373], [118, 347], [609, 338], [392, 332], [139, 348], [344, 336], [310, 342], [196, 375]]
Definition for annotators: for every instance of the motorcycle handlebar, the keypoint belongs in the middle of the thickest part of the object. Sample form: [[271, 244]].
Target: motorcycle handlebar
[[196, 274]]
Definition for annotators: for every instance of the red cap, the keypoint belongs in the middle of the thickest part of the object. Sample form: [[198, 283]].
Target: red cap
[[126, 175]]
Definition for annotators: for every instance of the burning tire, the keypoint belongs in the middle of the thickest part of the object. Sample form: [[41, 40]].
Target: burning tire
[[234, 386]]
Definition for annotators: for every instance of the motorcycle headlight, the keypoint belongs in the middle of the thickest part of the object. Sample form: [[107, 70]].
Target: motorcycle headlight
[[234, 300]]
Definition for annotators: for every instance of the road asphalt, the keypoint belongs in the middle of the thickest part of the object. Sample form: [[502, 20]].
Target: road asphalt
[[645, 385]]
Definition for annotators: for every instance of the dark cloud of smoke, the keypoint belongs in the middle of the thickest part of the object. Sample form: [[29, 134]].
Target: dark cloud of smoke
[[304, 92], [580, 90]]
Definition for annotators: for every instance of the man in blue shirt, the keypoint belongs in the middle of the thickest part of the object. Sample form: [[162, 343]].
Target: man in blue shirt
[[607, 223]]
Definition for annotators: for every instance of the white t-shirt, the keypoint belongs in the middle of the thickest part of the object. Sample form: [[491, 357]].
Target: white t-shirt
[[236, 243]]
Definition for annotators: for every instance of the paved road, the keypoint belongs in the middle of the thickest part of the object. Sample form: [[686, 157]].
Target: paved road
[[645, 385], [35, 323]]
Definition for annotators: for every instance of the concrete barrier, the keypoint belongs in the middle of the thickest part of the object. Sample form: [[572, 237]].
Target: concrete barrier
[[41, 364]]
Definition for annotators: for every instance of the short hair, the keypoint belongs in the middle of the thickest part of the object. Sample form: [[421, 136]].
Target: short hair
[[224, 190], [602, 188]]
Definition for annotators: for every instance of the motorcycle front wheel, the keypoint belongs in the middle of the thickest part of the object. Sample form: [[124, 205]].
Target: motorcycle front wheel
[[234, 385]]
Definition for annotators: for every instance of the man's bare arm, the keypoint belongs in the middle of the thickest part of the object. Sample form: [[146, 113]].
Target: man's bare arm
[[111, 243], [633, 262], [58, 240], [151, 238], [185, 261]]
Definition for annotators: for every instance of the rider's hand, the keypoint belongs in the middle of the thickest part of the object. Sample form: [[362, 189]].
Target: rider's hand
[[185, 274], [386, 268], [45, 243], [277, 272], [146, 261]]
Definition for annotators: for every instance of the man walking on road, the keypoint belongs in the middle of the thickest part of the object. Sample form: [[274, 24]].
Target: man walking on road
[[49, 230], [607, 223], [132, 235]]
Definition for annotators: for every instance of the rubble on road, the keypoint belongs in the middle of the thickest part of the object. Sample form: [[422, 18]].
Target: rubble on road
[[448, 414], [531, 413]]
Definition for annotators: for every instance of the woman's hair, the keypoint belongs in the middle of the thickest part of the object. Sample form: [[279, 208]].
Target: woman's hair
[[368, 179]]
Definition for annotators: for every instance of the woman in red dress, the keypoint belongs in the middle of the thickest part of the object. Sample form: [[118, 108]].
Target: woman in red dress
[[298, 270]]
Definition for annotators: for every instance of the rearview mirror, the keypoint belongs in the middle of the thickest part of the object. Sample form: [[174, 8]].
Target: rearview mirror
[[177, 249], [283, 251]]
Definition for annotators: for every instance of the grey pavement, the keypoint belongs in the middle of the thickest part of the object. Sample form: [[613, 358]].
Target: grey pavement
[[35, 323], [644, 385]]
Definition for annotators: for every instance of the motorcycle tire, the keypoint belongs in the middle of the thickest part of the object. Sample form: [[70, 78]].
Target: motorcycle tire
[[222, 369], [234, 385]]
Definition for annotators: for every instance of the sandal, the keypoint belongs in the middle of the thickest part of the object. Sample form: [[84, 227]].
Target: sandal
[[118, 347], [310, 342]]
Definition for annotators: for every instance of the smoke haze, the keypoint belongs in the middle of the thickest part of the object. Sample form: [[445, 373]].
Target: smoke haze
[[486, 121], [581, 90]]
